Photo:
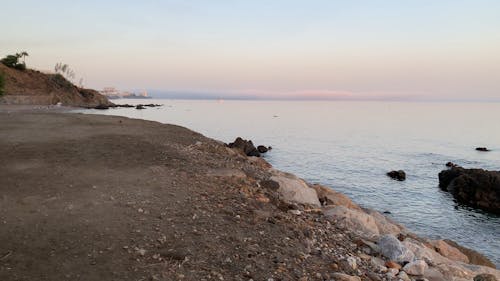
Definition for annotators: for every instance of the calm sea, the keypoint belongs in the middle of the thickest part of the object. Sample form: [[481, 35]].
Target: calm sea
[[351, 145]]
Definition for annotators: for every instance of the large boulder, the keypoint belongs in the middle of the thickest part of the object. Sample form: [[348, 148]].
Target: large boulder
[[327, 196], [293, 189], [475, 187], [393, 249], [355, 220], [449, 251], [384, 224], [473, 256], [246, 146]]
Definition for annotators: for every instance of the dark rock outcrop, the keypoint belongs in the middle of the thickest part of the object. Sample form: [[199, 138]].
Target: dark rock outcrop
[[485, 277], [482, 149], [475, 187], [397, 175], [102, 106], [262, 149], [451, 164], [140, 106], [246, 146]]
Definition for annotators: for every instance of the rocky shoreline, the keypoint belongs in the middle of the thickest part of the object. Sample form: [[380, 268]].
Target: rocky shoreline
[[89, 197]]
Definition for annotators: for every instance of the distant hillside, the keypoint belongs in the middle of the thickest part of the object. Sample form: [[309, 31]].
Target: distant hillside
[[34, 87]]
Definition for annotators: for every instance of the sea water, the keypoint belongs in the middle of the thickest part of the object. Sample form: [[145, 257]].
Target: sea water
[[350, 146]]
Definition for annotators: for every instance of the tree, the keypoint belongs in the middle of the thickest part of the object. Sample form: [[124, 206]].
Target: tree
[[13, 61], [24, 54]]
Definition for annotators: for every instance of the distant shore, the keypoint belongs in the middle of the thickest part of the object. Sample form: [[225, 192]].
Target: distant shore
[[104, 197]]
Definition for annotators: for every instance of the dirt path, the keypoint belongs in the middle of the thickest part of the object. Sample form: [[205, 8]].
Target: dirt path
[[86, 197]]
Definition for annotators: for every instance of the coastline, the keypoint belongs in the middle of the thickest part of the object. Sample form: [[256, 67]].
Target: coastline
[[299, 232]]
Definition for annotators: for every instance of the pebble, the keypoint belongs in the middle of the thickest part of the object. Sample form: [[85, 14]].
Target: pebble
[[392, 272], [403, 276]]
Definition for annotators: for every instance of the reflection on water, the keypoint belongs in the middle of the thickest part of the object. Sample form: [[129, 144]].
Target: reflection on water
[[351, 145]]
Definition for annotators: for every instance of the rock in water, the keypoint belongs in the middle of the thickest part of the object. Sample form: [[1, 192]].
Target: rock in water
[[262, 149], [246, 146], [475, 187], [482, 149], [397, 175], [140, 106]]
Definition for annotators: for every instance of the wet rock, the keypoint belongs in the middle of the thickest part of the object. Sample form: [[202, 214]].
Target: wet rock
[[451, 165], [262, 149], [393, 249], [397, 175], [485, 277], [140, 106], [293, 189], [417, 267], [482, 149], [355, 220], [246, 146], [475, 187]]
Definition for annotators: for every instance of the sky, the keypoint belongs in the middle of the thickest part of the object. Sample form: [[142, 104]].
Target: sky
[[372, 49]]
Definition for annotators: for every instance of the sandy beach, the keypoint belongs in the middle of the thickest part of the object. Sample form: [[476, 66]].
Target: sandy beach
[[90, 197]]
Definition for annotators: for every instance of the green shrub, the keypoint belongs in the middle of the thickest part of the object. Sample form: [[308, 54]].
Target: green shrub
[[2, 84], [13, 61], [61, 81], [10, 60]]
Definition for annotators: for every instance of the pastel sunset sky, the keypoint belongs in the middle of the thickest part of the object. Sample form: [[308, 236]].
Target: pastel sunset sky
[[412, 49]]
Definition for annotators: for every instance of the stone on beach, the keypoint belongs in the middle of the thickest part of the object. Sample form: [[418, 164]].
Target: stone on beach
[[417, 267], [356, 220], [293, 189], [328, 196], [393, 249], [449, 251], [384, 224]]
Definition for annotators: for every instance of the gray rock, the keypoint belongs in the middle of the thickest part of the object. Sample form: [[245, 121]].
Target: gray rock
[[391, 248]]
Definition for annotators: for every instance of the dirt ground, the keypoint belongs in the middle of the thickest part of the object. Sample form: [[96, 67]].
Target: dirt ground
[[90, 197]]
